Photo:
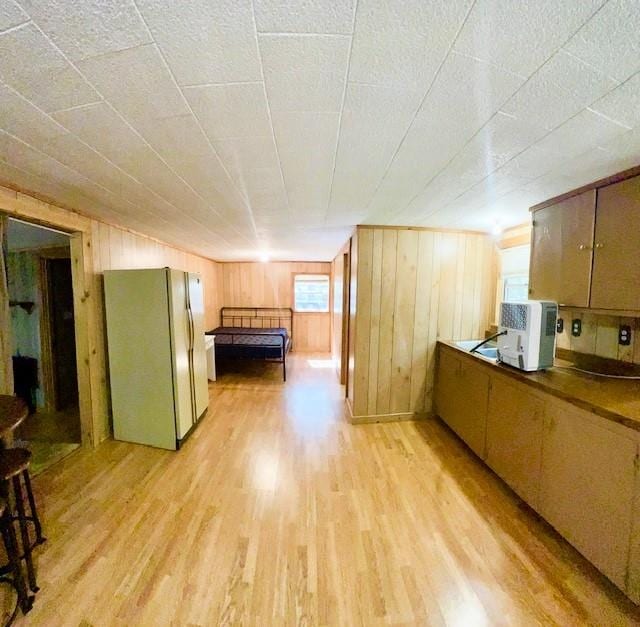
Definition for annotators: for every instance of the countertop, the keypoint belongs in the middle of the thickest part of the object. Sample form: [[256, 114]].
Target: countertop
[[614, 399]]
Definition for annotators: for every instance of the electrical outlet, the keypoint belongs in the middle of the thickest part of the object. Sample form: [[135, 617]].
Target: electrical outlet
[[576, 327], [624, 335], [560, 325]]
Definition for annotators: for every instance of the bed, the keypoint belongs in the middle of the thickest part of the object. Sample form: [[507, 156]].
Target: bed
[[264, 333]]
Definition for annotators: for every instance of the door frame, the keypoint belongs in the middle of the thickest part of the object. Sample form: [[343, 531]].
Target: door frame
[[92, 405], [344, 339], [46, 334]]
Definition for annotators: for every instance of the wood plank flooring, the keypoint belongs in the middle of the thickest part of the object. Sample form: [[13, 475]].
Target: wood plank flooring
[[278, 512]]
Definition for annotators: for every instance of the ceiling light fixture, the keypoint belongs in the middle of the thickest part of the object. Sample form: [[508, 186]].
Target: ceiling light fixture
[[264, 257]]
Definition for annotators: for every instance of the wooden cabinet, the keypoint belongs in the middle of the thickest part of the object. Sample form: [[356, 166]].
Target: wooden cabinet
[[577, 469], [587, 485], [514, 437], [633, 570], [616, 263], [462, 394], [584, 249], [562, 249]]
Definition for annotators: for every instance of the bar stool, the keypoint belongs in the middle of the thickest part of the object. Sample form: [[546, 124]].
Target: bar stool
[[14, 565], [14, 468]]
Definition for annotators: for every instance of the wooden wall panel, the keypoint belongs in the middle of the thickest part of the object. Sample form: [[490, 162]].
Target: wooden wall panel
[[353, 331], [96, 247], [255, 284], [337, 312], [414, 286]]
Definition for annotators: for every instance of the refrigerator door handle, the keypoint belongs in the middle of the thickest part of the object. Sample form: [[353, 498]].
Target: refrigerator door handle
[[192, 338]]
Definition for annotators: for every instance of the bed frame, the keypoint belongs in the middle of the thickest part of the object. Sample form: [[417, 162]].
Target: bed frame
[[260, 318]]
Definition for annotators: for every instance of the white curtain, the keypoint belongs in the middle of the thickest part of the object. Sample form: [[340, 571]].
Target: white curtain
[[6, 368]]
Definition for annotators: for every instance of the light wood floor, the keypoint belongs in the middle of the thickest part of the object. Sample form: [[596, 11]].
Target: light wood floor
[[278, 512]]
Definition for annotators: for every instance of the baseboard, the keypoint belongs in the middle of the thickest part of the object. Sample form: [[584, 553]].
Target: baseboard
[[395, 417]]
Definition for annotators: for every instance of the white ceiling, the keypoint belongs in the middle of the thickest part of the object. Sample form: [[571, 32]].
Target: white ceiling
[[229, 126]]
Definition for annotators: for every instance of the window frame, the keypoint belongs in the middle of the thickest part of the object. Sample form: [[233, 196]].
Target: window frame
[[293, 293]]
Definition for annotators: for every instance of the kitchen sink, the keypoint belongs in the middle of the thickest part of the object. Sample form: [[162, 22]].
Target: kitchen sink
[[488, 351]]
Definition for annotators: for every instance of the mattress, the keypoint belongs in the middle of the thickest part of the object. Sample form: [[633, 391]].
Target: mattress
[[258, 343]]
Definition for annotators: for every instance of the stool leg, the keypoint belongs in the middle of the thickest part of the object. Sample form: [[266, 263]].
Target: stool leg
[[25, 601], [32, 506], [24, 532]]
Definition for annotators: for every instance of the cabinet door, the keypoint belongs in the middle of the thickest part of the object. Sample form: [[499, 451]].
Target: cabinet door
[[587, 486], [514, 437], [446, 389], [616, 262], [473, 399], [562, 249], [462, 395]]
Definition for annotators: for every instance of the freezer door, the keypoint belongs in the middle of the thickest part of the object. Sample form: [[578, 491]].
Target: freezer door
[[200, 380], [181, 343], [140, 359]]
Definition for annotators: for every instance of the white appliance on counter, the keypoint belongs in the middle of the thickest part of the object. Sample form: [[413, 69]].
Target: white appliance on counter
[[157, 361], [528, 334]]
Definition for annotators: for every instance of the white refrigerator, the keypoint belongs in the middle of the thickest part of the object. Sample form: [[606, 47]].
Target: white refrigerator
[[157, 359]]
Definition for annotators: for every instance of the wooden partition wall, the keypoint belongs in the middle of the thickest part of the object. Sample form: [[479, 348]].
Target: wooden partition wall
[[411, 287], [339, 330], [255, 284], [96, 247]]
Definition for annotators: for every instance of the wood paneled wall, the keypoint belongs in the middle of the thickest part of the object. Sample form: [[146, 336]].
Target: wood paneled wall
[[337, 314], [414, 286], [254, 284], [96, 247], [114, 249], [599, 335]]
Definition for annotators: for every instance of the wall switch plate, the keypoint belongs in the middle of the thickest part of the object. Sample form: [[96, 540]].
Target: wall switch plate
[[576, 327], [624, 335], [560, 325]]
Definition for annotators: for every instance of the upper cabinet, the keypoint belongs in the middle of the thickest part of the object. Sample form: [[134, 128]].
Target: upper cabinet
[[562, 250], [616, 262], [584, 250]]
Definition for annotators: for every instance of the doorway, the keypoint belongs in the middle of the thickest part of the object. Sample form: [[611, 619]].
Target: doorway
[[43, 340]]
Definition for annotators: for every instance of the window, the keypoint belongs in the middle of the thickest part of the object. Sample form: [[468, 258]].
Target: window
[[311, 292], [513, 278], [515, 288]]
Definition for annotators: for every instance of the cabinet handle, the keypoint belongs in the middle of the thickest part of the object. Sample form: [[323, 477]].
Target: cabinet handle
[[584, 247], [599, 245]]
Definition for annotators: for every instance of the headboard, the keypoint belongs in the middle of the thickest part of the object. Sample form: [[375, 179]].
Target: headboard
[[258, 318]]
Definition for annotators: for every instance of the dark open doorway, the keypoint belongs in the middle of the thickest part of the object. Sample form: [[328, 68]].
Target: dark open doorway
[[43, 340], [63, 340]]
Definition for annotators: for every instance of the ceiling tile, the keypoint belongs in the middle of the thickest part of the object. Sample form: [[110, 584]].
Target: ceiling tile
[[34, 67], [306, 145], [610, 40], [305, 16], [520, 36], [374, 121], [204, 41], [465, 95], [403, 43], [11, 15], [19, 117], [235, 110], [304, 72], [562, 87], [91, 27], [623, 103], [136, 82]]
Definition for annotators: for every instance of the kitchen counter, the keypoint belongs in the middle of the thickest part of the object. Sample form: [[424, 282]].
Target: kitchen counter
[[614, 399]]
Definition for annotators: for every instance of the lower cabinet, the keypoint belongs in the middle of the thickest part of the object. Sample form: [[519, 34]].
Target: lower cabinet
[[462, 395], [578, 470], [587, 486], [514, 437]]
